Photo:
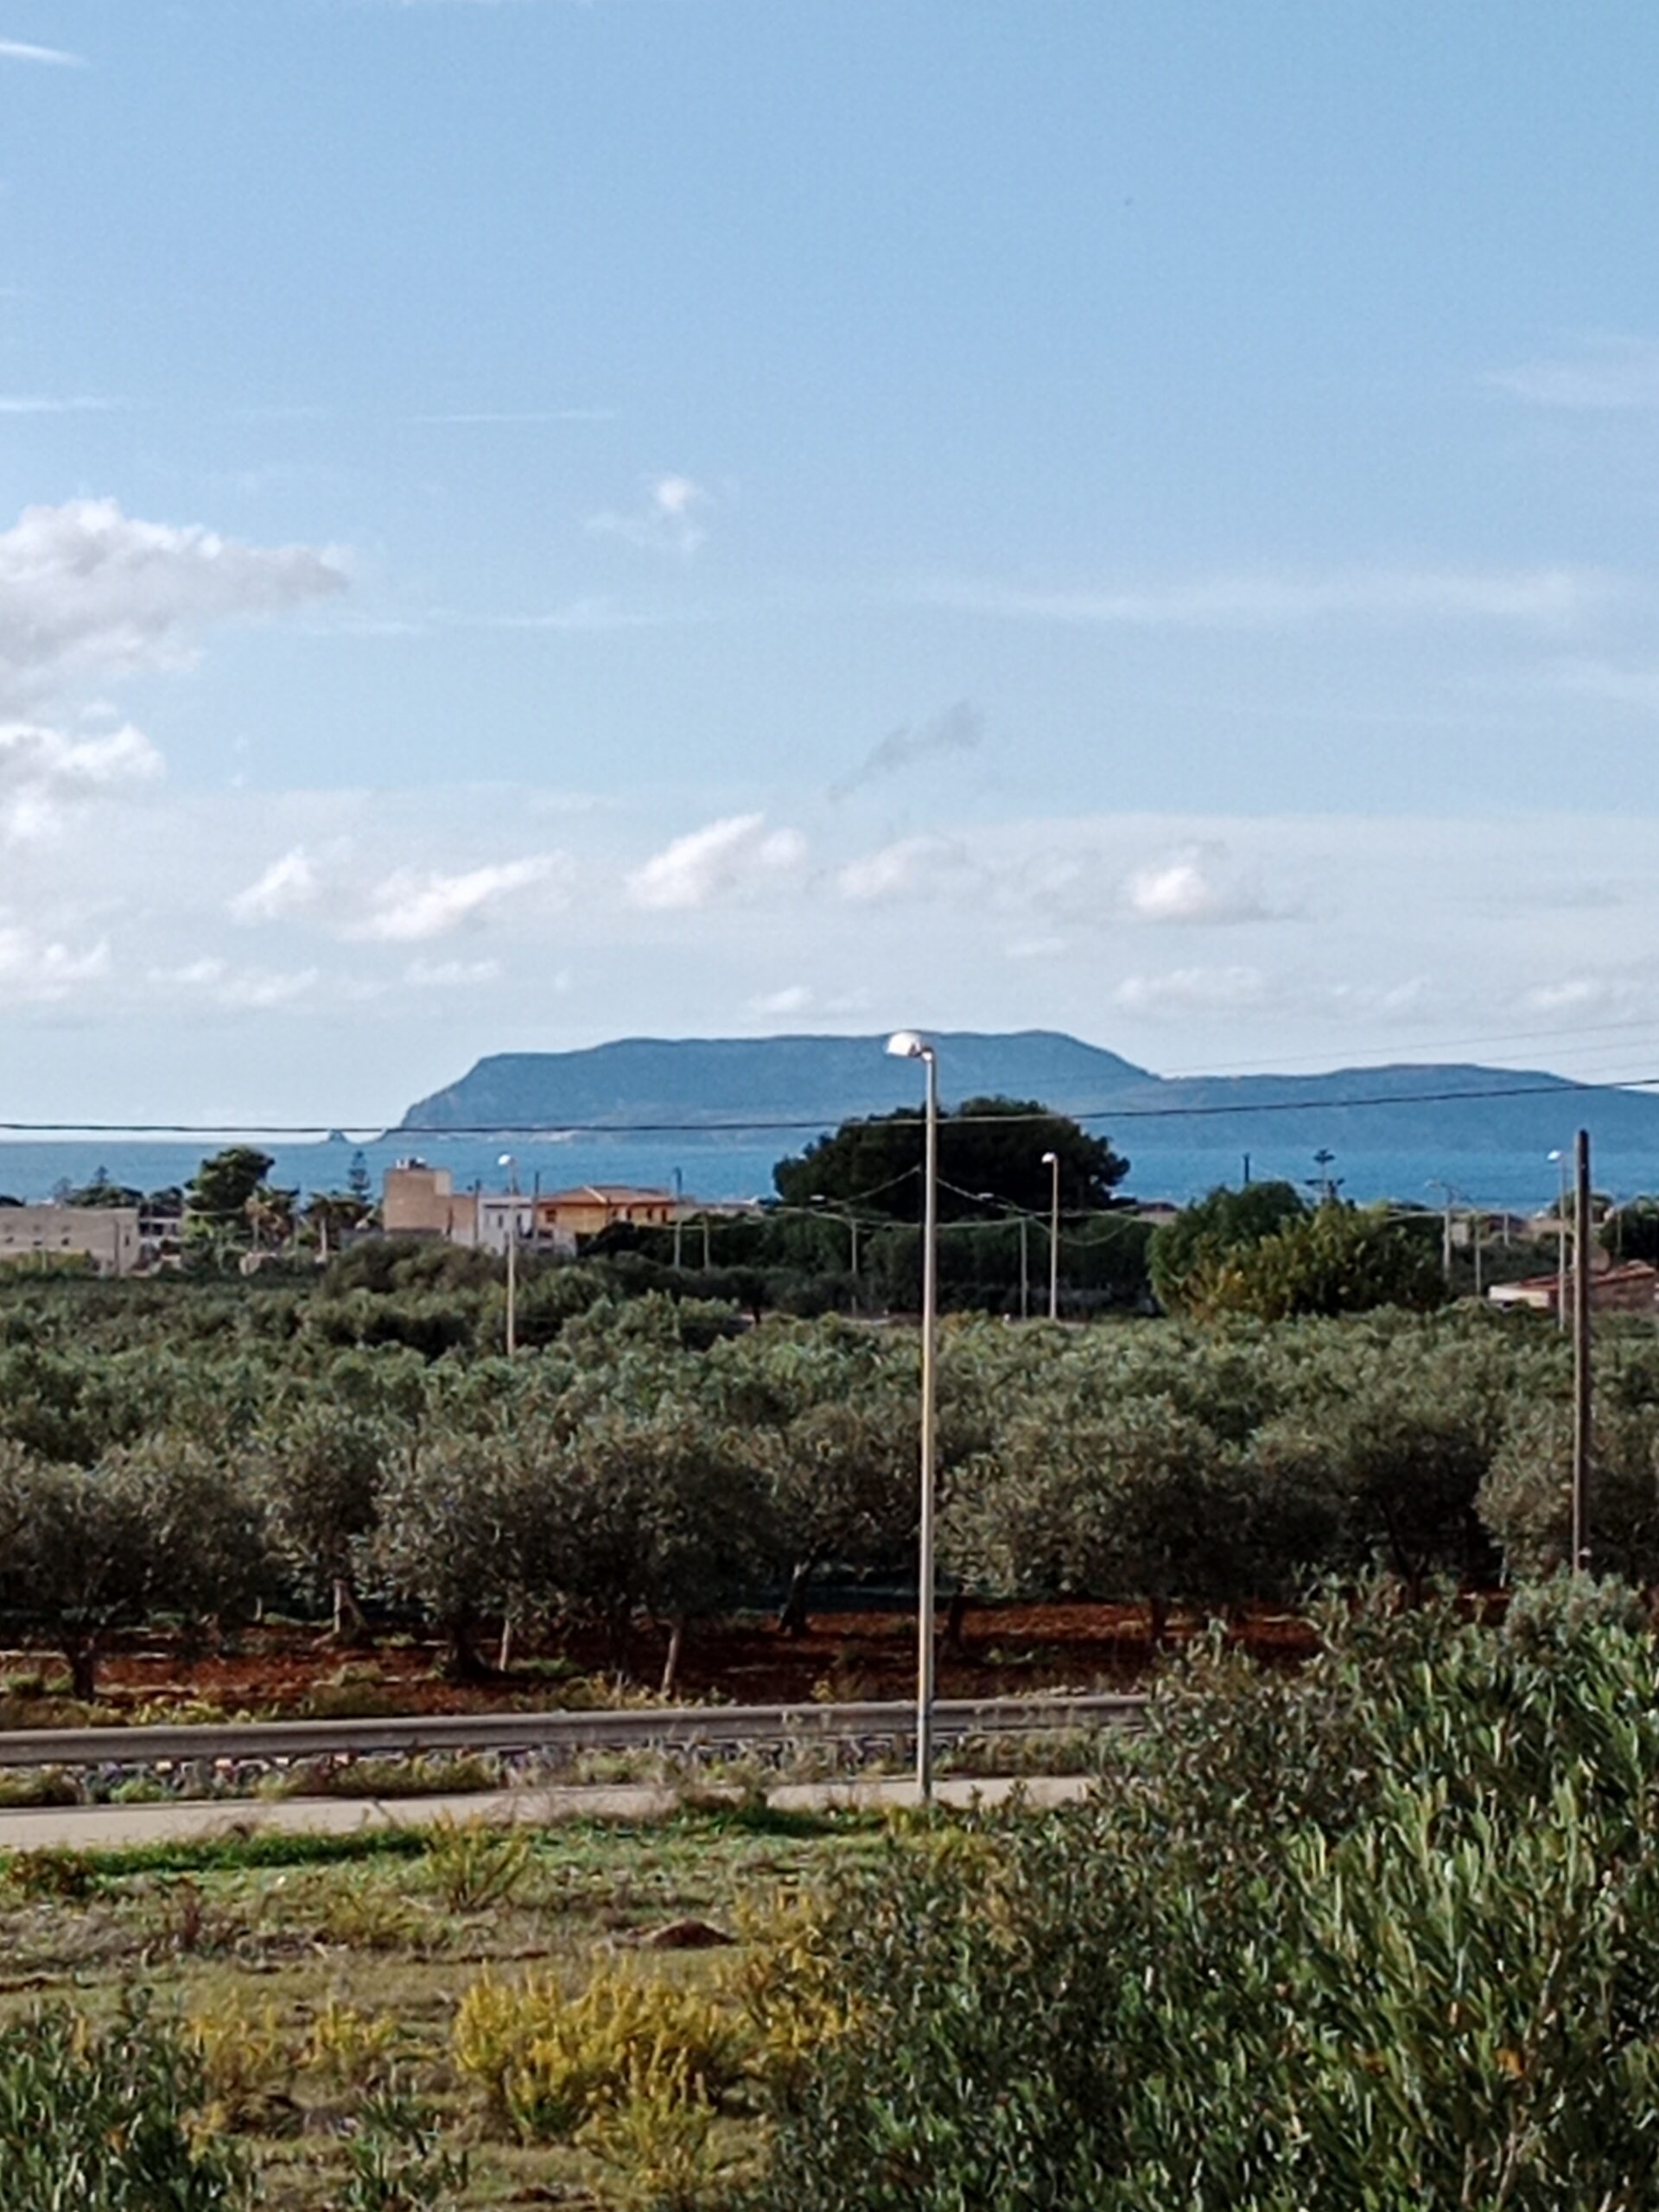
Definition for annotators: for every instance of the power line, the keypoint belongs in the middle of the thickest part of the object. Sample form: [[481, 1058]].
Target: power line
[[1560, 1087]]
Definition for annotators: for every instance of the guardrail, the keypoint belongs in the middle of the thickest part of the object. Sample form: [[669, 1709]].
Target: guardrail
[[682, 1726]]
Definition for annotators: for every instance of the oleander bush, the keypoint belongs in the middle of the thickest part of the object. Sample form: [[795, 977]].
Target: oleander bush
[[105, 2119], [1384, 1934]]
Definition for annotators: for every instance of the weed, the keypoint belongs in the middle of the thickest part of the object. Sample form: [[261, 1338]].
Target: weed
[[43, 1786], [660, 2140], [547, 2062], [346, 2047], [245, 2064], [473, 1866], [52, 1870], [395, 2158]]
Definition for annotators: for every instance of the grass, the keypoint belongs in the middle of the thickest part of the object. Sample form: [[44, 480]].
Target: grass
[[319, 1971]]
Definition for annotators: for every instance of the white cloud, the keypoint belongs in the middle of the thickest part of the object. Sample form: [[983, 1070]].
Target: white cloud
[[450, 974], [794, 998], [83, 586], [1190, 990], [669, 522], [727, 859], [42, 771], [897, 871], [1539, 597], [1604, 374], [53, 57], [37, 971], [260, 989], [410, 906], [1585, 994], [289, 886], [1191, 885]]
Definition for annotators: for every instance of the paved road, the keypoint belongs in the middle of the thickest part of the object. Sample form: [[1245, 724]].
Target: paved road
[[104, 1826]]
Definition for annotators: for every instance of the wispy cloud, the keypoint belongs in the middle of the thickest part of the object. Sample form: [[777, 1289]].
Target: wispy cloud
[[1189, 990], [1540, 597], [728, 859], [1602, 374], [289, 886], [39, 403], [960, 728], [670, 522], [487, 418], [901, 870], [35, 971], [53, 57]]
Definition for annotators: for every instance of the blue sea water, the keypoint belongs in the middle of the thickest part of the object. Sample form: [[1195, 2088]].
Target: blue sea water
[[735, 1167]]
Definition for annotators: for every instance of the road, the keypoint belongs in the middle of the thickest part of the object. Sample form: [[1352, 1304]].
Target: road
[[110, 1826]]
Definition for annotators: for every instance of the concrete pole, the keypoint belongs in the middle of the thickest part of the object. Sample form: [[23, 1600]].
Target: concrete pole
[[1051, 1161]]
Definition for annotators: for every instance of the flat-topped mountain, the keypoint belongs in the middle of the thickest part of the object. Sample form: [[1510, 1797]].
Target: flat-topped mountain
[[818, 1081]]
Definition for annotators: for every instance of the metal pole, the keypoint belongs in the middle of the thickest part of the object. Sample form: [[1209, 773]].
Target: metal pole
[[1581, 1377], [852, 1223], [1051, 1160], [1025, 1269], [512, 1266], [1445, 1241], [1477, 1229], [929, 1348], [679, 1193]]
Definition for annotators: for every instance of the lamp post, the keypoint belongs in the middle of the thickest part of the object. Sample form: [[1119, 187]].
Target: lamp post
[[907, 1045], [1435, 1183], [679, 1208], [1559, 1159], [1051, 1161], [507, 1161]]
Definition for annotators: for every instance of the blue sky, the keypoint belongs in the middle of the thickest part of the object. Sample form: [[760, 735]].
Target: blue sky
[[521, 522]]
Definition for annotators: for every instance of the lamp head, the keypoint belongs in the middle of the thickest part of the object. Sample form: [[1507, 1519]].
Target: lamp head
[[1553, 1155], [905, 1045], [506, 1161], [1051, 1160]]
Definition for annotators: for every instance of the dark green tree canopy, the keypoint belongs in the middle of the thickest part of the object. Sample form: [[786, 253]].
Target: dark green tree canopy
[[986, 1145], [1186, 1251], [221, 1187]]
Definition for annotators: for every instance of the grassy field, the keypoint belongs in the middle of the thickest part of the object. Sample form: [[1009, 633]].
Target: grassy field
[[318, 1975]]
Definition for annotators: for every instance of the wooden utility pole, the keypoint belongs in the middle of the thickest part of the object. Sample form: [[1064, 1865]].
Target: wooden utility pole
[[1581, 1377]]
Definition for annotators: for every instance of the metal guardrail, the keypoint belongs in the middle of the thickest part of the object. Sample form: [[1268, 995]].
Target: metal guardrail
[[687, 1726]]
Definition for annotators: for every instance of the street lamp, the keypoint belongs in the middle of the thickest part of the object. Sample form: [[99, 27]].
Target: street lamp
[[1434, 1183], [1559, 1157], [507, 1161], [905, 1045], [1051, 1160]]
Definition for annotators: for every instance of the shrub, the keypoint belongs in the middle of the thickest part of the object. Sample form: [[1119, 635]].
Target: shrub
[[1384, 1935], [547, 2061], [472, 1864], [102, 2120]]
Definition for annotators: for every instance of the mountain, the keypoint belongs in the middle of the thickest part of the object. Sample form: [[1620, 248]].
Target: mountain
[[819, 1081]]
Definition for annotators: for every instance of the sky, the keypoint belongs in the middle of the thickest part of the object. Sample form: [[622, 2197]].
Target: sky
[[526, 521]]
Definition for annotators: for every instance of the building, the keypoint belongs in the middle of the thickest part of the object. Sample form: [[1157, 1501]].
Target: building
[[107, 1235], [591, 1208], [417, 1200], [514, 1214], [1631, 1287]]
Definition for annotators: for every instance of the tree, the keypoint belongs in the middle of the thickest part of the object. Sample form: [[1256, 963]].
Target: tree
[[1631, 1231], [160, 1525], [1186, 1253], [356, 1180], [216, 1202], [993, 1146], [321, 1465], [1338, 1258], [463, 1531], [101, 1191]]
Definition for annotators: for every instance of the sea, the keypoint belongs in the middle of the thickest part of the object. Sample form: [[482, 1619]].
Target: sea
[[734, 1168]]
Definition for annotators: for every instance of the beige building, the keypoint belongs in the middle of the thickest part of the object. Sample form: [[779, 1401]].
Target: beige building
[[417, 1200], [592, 1207], [107, 1235], [1632, 1287]]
